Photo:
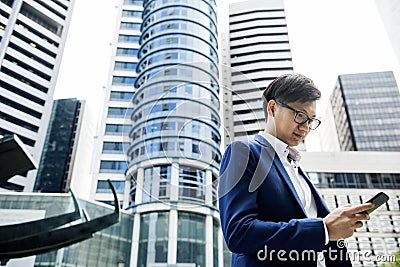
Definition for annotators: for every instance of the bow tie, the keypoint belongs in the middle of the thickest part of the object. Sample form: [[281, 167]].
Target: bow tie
[[293, 155]]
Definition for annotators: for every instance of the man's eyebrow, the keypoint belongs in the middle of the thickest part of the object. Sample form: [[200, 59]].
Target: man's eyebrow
[[305, 112]]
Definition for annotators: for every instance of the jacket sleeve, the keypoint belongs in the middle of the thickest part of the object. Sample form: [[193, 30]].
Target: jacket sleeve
[[244, 231]]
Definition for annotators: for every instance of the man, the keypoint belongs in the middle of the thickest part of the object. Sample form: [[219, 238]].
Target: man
[[271, 213]]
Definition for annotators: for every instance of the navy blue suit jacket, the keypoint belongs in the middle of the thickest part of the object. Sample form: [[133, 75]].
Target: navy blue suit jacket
[[261, 213]]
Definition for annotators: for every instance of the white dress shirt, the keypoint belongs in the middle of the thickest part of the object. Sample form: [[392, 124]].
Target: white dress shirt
[[302, 188]]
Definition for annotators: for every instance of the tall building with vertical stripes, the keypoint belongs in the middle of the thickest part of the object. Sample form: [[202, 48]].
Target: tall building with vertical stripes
[[365, 111], [56, 165], [32, 40], [174, 152], [361, 136], [112, 141], [258, 51], [354, 178]]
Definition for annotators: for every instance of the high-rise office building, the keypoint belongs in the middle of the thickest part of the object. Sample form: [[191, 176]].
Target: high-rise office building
[[174, 152], [362, 116], [112, 141], [57, 161], [389, 11], [365, 109], [354, 178], [32, 40], [256, 51]]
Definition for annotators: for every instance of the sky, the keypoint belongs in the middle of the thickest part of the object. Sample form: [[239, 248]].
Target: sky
[[327, 38]]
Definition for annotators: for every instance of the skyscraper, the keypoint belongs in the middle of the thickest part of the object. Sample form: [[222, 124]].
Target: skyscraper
[[365, 108], [354, 177], [258, 45], [174, 153], [32, 35], [389, 11], [112, 142], [362, 116], [55, 168]]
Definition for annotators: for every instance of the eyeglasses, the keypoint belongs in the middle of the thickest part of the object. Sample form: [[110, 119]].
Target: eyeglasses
[[301, 117]]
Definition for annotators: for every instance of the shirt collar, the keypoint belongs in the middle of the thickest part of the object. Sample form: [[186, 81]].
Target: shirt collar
[[280, 147]]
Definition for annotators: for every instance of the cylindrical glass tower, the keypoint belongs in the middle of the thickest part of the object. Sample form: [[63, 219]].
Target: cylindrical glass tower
[[175, 141]]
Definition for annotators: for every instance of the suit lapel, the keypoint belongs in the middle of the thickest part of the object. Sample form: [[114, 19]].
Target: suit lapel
[[288, 181], [281, 170]]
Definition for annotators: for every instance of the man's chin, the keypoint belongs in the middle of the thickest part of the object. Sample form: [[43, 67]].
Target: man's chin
[[294, 143]]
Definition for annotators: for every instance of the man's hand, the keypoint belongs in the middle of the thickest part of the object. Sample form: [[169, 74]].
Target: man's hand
[[342, 221]]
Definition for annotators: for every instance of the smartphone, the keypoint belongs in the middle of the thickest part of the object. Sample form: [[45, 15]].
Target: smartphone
[[378, 200]]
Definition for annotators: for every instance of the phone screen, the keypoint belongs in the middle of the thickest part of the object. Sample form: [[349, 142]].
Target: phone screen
[[378, 200]]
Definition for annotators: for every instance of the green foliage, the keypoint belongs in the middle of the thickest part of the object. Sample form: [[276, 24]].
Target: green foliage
[[393, 264]]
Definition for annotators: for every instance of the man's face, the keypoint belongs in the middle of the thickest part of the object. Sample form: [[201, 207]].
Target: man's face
[[287, 130]]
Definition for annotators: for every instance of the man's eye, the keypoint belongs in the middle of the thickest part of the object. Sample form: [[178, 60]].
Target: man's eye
[[301, 115]]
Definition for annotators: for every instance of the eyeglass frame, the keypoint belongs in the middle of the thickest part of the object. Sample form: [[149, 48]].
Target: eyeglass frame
[[296, 112]]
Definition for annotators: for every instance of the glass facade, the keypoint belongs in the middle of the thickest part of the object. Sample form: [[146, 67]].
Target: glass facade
[[153, 241], [174, 153], [53, 172], [156, 183], [192, 183], [105, 248], [357, 180], [191, 239], [366, 108], [215, 243], [176, 102], [176, 115]]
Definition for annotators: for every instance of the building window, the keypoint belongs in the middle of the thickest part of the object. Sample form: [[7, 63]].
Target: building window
[[357, 180], [19, 122], [191, 239], [156, 183], [131, 13], [153, 239], [119, 112], [133, 2], [125, 66], [121, 96], [124, 81], [130, 26], [109, 166], [8, 2], [191, 184], [130, 52], [215, 243], [103, 186], [41, 19], [115, 147], [163, 107], [195, 148], [117, 129], [128, 38]]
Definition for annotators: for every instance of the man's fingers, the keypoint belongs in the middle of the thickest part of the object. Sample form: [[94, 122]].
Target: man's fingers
[[361, 216], [359, 208], [358, 224]]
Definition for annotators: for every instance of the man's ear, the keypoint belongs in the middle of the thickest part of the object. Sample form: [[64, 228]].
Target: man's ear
[[271, 108]]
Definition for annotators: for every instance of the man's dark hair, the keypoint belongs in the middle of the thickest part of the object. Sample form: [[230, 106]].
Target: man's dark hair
[[289, 88]]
